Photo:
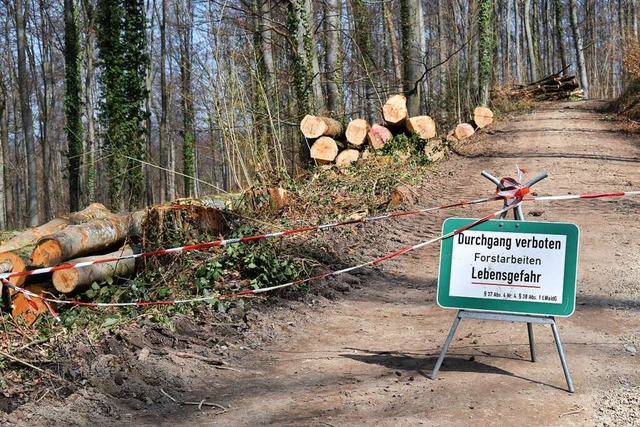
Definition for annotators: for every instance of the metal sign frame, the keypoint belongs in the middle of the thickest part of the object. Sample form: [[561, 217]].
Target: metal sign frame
[[487, 314]]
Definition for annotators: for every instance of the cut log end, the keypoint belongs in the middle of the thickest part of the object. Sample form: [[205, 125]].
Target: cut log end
[[47, 253], [347, 157], [315, 126], [13, 264], [463, 131], [356, 133], [395, 110], [325, 150], [423, 126], [378, 135], [66, 280], [482, 117]]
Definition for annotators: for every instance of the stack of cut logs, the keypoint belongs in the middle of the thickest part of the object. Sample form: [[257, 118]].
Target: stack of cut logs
[[553, 87], [332, 143], [93, 234], [68, 239]]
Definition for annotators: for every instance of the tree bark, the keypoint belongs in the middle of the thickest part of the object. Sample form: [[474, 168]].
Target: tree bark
[[73, 104], [30, 237], [335, 103], [533, 63], [485, 49], [412, 22], [75, 280], [559, 31], [89, 145]]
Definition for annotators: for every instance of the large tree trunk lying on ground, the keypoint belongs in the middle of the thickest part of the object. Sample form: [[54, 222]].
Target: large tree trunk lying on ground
[[80, 279], [395, 110], [378, 135], [424, 126], [31, 236], [315, 126], [77, 240], [324, 150], [357, 132]]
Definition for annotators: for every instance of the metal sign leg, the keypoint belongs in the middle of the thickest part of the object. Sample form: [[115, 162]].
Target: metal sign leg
[[447, 343], [507, 317], [563, 359], [532, 343]]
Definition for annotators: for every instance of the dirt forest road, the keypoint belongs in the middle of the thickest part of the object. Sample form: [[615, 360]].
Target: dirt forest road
[[364, 358]]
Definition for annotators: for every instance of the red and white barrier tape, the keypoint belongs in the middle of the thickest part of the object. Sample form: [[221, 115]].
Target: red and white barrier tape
[[28, 294], [225, 242], [513, 192]]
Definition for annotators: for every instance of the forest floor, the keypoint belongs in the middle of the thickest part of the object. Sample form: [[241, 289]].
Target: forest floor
[[363, 356]]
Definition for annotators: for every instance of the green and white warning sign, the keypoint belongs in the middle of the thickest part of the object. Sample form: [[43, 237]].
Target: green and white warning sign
[[509, 266]]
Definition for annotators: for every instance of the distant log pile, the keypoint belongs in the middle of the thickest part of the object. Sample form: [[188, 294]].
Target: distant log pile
[[329, 144], [553, 87]]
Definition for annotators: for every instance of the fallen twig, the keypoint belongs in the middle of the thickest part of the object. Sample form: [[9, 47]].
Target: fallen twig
[[204, 402], [168, 395], [198, 357], [15, 359], [575, 411]]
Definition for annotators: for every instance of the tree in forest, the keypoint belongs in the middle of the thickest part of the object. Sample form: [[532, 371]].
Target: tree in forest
[[72, 101], [362, 23], [559, 31], [333, 59], [123, 60], [26, 112], [485, 49], [412, 29], [184, 12], [578, 44]]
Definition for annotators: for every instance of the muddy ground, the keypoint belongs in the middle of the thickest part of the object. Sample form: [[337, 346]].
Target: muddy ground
[[359, 352]]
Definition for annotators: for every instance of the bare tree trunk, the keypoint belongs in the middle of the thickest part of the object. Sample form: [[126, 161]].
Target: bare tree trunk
[[4, 145], [21, 13], [365, 54], [412, 21], [185, 31], [517, 37], [312, 55], [559, 30], [89, 145], [164, 104], [578, 44], [533, 63], [335, 103]]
